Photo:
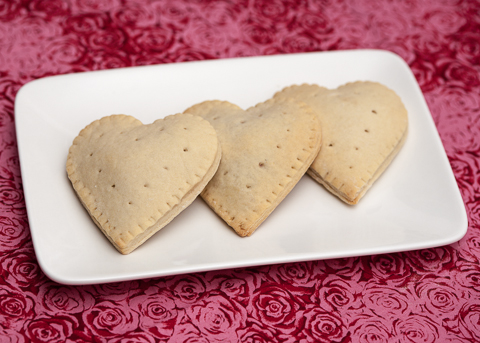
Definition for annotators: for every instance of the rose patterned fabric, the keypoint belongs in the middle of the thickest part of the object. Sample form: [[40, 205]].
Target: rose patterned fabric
[[430, 295]]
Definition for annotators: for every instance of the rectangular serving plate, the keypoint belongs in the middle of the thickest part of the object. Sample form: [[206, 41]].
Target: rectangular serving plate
[[415, 204]]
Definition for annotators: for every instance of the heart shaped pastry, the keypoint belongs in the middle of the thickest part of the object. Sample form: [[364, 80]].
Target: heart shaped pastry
[[265, 151], [133, 179], [364, 125]]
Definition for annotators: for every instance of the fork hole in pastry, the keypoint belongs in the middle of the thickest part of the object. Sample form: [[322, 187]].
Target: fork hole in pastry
[[278, 146], [367, 131], [351, 167], [99, 170], [185, 149], [261, 164], [374, 112], [243, 122], [113, 186], [248, 186], [356, 148], [225, 173], [166, 168], [136, 139], [129, 202], [145, 185], [331, 144], [91, 154]]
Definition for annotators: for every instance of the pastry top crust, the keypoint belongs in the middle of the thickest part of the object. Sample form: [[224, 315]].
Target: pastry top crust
[[130, 176], [364, 125], [266, 150]]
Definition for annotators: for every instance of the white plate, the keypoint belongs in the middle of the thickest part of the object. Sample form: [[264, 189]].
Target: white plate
[[415, 204]]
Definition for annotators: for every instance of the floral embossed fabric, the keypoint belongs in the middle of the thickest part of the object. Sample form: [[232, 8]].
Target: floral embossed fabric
[[430, 295]]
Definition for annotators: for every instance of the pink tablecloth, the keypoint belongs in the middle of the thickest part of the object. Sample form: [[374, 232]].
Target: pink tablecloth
[[431, 295]]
